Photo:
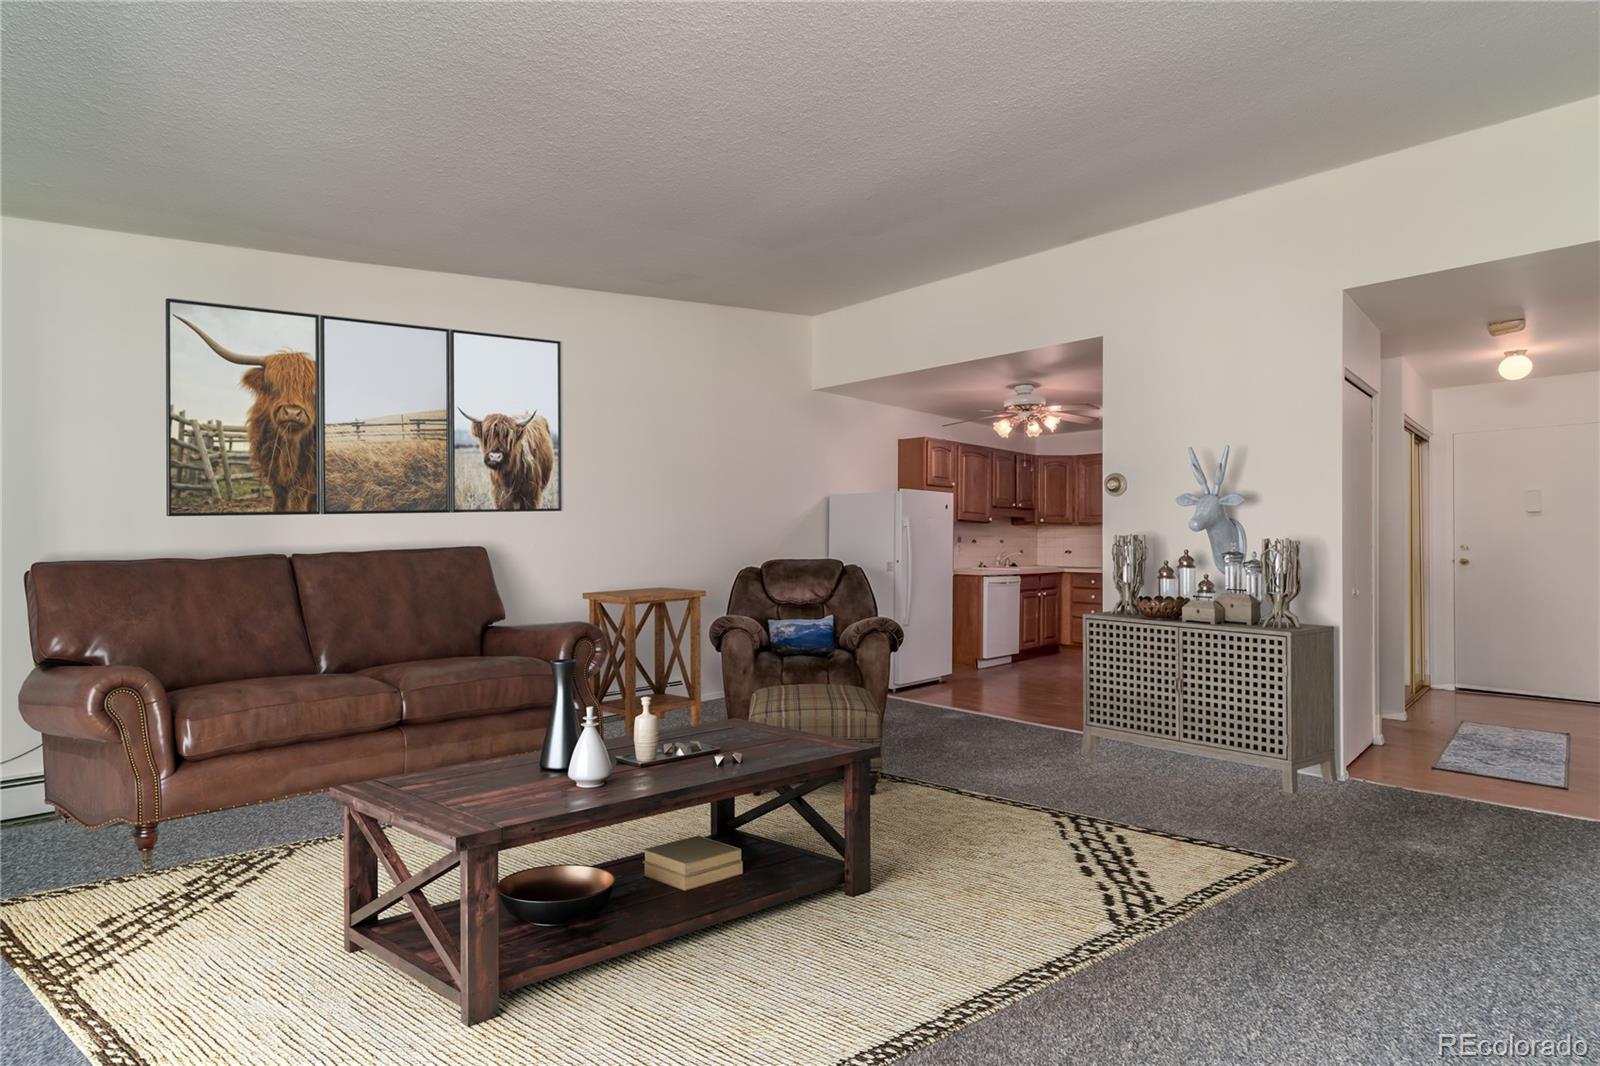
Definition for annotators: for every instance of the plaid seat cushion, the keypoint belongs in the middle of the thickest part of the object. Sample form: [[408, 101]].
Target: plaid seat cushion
[[842, 711]]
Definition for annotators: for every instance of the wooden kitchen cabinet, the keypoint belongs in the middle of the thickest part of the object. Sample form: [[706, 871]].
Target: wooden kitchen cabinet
[[1082, 594], [1040, 605], [973, 491], [1089, 504], [1031, 626], [1027, 481], [1002, 479], [1057, 489], [1050, 615], [927, 463]]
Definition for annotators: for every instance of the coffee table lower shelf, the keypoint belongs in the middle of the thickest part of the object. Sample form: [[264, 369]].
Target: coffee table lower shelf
[[640, 914]]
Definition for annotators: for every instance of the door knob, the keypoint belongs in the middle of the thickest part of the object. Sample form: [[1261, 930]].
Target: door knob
[[1463, 562]]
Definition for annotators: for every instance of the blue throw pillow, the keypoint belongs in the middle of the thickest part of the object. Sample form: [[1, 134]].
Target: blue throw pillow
[[801, 636]]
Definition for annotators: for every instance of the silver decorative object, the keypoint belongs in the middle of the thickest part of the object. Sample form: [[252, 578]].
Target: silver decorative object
[[734, 758], [1233, 571], [1127, 566], [1166, 580], [1187, 575], [1280, 560], [1254, 579], [1211, 511], [1206, 591]]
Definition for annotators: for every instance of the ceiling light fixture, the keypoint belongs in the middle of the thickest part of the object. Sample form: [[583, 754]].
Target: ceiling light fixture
[[1507, 325], [1026, 410], [1516, 365]]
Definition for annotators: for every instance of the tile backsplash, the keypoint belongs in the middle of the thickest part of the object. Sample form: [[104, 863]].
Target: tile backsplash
[[982, 542]]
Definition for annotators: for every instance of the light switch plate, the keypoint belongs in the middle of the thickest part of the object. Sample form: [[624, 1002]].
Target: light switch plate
[[1533, 501]]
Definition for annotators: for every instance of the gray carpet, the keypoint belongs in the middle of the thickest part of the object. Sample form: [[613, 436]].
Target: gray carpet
[[1409, 914], [1533, 755]]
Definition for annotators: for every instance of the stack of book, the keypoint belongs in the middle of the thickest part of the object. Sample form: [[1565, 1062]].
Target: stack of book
[[691, 863]]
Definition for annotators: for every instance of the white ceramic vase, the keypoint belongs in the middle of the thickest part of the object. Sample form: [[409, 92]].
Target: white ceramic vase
[[591, 762], [646, 732]]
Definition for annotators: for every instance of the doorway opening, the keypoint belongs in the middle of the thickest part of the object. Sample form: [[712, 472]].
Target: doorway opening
[[1489, 527], [1017, 443]]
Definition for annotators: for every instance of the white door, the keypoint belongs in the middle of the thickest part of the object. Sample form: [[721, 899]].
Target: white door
[[1358, 672], [1527, 537]]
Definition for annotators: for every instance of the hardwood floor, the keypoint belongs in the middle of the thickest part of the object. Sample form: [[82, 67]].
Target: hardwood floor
[[1412, 747], [1046, 690]]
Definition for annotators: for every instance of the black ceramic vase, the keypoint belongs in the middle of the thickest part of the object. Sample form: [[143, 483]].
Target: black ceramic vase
[[561, 736]]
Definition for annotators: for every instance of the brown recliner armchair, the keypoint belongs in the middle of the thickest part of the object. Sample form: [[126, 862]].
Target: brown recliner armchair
[[803, 588]]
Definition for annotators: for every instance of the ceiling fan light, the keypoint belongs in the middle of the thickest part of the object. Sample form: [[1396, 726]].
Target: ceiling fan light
[[1516, 365], [1034, 429], [1003, 427], [1051, 422]]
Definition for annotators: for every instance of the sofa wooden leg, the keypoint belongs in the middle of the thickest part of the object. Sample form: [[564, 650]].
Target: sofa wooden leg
[[144, 838]]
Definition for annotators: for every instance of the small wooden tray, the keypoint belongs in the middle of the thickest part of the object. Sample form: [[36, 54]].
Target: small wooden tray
[[661, 760]]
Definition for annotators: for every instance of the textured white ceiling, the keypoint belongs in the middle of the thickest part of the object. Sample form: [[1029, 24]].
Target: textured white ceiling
[[1440, 321], [798, 156], [1065, 373]]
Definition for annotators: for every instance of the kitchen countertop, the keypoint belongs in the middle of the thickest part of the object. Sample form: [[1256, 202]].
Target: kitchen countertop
[[994, 571]]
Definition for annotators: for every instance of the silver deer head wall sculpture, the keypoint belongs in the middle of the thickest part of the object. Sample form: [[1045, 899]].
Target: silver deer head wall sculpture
[[1211, 511]]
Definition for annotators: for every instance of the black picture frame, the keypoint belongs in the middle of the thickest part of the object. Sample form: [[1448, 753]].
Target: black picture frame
[[561, 457], [173, 486], [325, 426]]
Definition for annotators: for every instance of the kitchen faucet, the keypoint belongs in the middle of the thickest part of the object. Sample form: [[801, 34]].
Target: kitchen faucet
[[1006, 558]]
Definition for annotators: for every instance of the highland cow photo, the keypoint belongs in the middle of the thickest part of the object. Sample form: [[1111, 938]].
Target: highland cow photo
[[241, 410], [506, 423], [386, 435]]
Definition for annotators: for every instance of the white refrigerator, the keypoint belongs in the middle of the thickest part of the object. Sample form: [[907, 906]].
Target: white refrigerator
[[905, 541]]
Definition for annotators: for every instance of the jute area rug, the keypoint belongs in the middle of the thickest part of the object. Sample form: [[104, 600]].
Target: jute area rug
[[975, 902]]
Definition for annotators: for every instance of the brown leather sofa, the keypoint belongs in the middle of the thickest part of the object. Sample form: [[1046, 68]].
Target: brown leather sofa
[[170, 687], [803, 588]]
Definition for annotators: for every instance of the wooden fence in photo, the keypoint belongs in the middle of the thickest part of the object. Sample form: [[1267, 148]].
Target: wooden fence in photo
[[209, 457], [423, 425]]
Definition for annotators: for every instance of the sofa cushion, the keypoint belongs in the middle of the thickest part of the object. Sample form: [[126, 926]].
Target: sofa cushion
[[372, 608], [269, 712], [433, 690], [187, 621]]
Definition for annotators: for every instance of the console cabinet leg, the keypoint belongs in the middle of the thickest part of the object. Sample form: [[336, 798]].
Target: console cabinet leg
[[1290, 780]]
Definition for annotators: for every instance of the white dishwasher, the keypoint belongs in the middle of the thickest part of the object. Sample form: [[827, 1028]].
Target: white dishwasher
[[1002, 610]]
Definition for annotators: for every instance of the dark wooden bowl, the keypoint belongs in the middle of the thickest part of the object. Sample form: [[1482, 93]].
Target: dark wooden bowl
[[556, 895], [1160, 606]]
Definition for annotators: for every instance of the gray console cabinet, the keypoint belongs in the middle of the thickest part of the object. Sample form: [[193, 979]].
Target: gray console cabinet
[[1253, 695]]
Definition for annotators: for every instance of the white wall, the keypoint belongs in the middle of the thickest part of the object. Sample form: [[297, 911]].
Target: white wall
[[1224, 325], [1534, 401], [692, 441]]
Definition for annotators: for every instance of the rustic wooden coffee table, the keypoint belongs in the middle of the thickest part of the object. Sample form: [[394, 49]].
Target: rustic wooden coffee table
[[478, 809]]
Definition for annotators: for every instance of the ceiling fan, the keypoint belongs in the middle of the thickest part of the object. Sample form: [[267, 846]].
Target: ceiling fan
[[1026, 410]]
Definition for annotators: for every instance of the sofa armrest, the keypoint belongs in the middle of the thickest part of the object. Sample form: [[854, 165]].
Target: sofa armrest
[[855, 632], [742, 623], [106, 704], [579, 641]]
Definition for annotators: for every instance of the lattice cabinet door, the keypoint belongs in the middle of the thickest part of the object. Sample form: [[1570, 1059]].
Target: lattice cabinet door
[[1235, 690], [1131, 676]]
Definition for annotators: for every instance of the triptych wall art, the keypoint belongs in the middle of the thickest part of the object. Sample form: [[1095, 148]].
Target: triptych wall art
[[273, 412]]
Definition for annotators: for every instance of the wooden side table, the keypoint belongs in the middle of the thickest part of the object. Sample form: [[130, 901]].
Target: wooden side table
[[622, 666]]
